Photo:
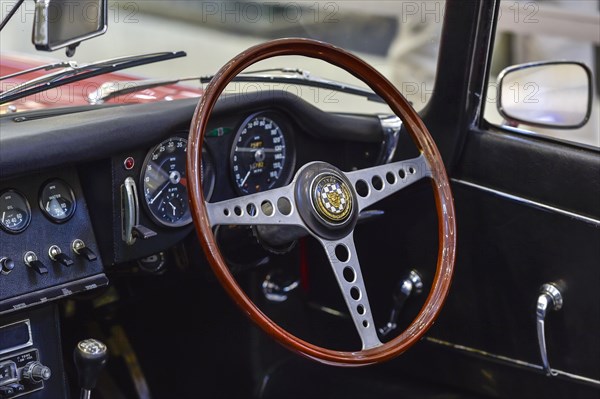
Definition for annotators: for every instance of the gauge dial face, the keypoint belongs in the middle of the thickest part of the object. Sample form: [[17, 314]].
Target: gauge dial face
[[164, 183], [15, 212], [259, 156], [57, 201]]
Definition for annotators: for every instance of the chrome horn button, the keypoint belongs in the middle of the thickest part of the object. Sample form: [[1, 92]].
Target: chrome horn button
[[331, 198], [325, 200]]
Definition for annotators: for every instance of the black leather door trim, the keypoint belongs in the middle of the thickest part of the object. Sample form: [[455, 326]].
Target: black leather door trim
[[529, 202]]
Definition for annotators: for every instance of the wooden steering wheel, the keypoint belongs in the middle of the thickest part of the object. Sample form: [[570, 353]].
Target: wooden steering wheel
[[324, 200]]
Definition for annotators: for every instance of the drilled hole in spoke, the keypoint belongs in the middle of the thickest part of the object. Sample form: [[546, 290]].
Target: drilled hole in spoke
[[390, 177], [238, 211], [402, 173], [349, 274], [284, 205], [342, 253], [360, 309], [226, 212], [251, 210], [377, 183], [365, 324], [362, 188], [267, 208], [411, 171], [355, 293]]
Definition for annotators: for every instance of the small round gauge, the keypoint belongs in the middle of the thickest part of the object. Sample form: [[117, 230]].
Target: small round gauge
[[260, 155], [15, 212], [164, 183], [57, 201]]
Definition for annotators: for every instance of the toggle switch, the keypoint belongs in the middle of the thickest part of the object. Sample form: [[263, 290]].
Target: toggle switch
[[31, 260], [55, 254], [81, 249]]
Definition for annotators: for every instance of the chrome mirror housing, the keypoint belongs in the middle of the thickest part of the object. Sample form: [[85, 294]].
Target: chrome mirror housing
[[63, 23], [553, 94]]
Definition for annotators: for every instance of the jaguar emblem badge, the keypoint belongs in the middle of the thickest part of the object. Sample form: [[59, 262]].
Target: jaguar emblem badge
[[332, 199]]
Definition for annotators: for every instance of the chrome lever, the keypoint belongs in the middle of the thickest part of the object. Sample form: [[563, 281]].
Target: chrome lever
[[550, 298], [411, 285]]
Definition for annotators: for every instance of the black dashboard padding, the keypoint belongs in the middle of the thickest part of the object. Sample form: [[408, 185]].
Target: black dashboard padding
[[37, 144]]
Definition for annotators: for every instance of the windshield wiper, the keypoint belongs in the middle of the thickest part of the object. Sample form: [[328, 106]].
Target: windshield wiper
[[47, 67], [110, 90], [73, 73]]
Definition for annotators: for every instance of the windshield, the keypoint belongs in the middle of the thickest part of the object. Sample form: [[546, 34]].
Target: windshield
[[399, 38]]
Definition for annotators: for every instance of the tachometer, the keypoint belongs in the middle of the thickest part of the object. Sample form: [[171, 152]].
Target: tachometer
[[164, 183], [260, 157]]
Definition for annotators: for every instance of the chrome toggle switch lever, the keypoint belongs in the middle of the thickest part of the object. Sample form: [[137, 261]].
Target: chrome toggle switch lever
[[55, 254], [31, 260], [550, 298], [81, 249], [411, 285]]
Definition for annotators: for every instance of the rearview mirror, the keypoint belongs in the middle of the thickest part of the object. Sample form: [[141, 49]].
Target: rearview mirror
[[546, 94], [65, 23]]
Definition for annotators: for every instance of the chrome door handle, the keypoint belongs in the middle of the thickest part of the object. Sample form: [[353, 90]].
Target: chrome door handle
[[550, 298]]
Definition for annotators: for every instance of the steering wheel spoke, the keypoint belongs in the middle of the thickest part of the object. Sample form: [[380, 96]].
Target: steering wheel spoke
[[376, 183], [346, 268], [272, 207]]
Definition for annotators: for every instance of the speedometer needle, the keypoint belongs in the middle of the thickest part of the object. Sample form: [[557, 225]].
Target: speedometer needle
[[245, 178]]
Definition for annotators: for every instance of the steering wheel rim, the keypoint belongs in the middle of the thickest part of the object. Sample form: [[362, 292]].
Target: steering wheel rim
[[429, 153]]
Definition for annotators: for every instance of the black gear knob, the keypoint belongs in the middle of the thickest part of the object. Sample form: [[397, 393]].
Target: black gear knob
[[90, 356]]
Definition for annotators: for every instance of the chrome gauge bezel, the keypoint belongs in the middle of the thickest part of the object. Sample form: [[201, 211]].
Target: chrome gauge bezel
[[289, 151], [71, 193], [28, 212], [186, 220]]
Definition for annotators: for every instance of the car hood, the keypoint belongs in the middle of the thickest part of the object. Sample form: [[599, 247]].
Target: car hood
[[76, 94]]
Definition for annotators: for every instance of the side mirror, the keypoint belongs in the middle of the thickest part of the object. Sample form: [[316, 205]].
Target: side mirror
[[554, 94], [66, 23]]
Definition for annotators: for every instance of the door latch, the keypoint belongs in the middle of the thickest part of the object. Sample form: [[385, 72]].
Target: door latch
[[550, 298]]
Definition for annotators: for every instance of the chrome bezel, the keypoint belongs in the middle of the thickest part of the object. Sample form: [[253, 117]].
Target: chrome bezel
[[71, 193], [186, 219], [290, 154], [29, 216]]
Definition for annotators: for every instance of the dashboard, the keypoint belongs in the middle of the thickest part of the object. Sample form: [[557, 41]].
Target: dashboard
[[87, 192], [83, 192]]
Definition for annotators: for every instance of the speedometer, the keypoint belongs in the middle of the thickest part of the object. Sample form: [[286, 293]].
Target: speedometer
[[164, 183], [260, 157]]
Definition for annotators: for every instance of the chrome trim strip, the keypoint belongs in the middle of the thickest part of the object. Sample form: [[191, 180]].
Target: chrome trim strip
[[526, 201], [21, 346], [510, 360]]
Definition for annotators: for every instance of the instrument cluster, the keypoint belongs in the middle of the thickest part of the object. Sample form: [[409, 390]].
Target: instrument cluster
[[246, 157], [55, 199]]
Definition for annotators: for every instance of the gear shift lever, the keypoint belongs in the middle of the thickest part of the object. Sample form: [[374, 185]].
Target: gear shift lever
[[90, 356]]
